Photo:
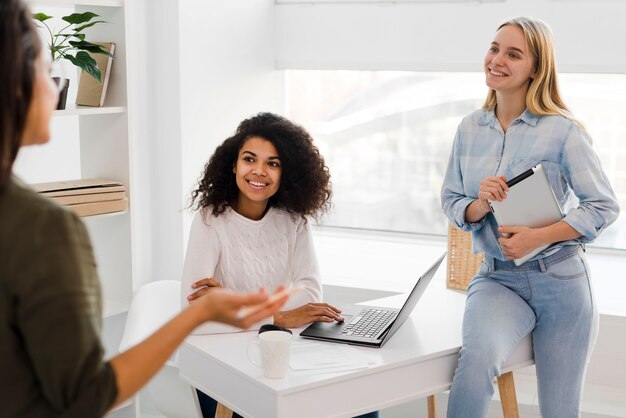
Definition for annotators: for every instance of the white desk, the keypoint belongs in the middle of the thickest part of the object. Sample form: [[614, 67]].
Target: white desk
[[419, 360]]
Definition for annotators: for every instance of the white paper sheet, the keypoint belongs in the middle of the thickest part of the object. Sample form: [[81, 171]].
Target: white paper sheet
[[318, 357]]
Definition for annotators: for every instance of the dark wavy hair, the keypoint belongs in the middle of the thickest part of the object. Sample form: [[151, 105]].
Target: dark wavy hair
[[19, 48], [305, 180]]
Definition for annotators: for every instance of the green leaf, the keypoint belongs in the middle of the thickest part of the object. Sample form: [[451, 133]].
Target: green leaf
[[58, 48], [84, 61], [78, 18], [88, 46], [88, 25], [42, 17], [79, 36]]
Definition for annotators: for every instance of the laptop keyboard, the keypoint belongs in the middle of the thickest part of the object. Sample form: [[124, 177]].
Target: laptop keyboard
[[369, 323]]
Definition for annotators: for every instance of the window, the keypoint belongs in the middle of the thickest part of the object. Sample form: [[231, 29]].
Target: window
[[386, 136]]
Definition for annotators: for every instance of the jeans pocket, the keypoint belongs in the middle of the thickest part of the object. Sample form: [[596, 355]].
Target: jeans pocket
[[568, 268]]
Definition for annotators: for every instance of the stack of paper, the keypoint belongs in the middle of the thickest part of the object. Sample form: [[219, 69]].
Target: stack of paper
[[86, 197]]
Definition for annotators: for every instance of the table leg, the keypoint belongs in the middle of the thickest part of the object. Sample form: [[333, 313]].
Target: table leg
[[432, 406], [223, 412], [506, 386]]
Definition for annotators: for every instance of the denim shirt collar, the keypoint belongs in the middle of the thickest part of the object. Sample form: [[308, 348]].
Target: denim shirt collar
[[489, 118]]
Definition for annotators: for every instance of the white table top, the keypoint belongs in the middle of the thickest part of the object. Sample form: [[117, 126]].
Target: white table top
[[419, 360]]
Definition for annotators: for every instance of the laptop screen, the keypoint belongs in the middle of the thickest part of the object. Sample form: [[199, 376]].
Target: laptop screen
[[414, 296]]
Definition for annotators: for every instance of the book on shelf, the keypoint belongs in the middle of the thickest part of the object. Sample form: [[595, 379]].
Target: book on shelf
[[86, 197], [99, 208], [92, 92]]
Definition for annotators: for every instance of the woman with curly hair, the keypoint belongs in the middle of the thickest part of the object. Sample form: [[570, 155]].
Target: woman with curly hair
[[250, 232]]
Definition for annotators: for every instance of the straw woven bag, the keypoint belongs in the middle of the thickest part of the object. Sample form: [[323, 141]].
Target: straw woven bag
[[462, 263]]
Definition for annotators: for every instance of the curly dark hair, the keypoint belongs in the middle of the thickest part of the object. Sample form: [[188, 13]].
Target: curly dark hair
[[305, 180]]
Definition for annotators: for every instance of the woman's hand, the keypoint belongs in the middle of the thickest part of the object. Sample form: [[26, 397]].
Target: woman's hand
[[203, 287], [225, 306], [491, 188], [517, 241], [305, 314]]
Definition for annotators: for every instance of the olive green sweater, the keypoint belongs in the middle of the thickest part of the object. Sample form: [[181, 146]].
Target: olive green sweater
[[51, 357]]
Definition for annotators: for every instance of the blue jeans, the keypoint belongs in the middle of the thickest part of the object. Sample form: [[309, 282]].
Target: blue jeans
[[208, 406], [550, 298]]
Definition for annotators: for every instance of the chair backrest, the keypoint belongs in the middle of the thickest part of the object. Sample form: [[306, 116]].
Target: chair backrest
[[462, 263], [152, 306]]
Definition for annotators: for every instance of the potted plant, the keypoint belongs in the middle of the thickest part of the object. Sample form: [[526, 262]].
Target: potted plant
[[69, 44]]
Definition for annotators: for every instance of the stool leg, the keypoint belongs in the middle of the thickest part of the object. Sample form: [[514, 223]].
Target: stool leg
[[223, 412], [506, 386], [432, 406]]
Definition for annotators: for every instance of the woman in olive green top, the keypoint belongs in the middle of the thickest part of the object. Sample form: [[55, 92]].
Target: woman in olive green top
[[51, 357]]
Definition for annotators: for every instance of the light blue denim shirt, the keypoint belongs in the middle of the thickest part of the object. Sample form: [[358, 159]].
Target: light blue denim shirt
[[563, 148]]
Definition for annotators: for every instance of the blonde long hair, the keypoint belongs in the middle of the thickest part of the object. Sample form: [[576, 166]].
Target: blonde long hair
[[542, 97]]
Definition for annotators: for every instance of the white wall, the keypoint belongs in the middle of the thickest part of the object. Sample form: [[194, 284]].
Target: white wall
[[199, 68], [444, 37], [227, 73], [165, 142]]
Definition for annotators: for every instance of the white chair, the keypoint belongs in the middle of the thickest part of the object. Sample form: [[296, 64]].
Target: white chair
[[152, 306]]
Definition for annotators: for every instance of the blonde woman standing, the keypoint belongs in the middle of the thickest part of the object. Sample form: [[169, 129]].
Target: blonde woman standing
[[523, 123]]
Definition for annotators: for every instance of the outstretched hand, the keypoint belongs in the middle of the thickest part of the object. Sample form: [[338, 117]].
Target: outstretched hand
[[305, 314], [225, 306]]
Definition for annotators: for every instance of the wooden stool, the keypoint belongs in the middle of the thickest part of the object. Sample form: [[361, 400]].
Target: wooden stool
[[506, 387], [223, 412]]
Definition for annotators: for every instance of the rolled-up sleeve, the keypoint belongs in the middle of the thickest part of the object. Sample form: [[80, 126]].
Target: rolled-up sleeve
[[582, 170], [454, 202]]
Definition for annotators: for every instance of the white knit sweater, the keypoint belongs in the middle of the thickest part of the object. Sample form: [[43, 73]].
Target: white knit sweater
[[246, 255]]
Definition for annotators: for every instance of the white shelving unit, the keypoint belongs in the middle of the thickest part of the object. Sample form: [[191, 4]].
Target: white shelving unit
[[105, 143], [86, 110]]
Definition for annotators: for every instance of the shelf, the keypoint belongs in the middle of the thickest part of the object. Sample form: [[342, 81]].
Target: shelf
[[71, 3], [105, 215], [87, 110], [113, 307]]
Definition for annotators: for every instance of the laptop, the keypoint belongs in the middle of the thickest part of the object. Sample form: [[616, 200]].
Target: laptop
[[368, 325], [530, 202]]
